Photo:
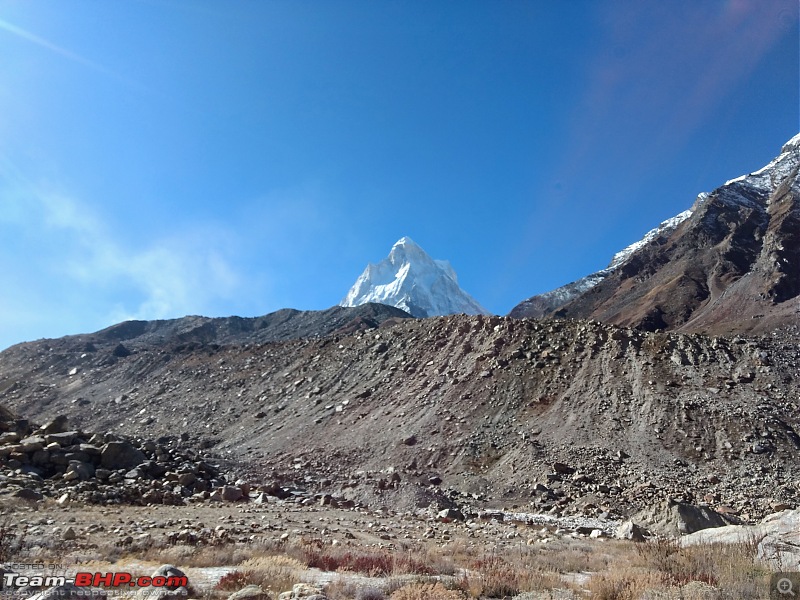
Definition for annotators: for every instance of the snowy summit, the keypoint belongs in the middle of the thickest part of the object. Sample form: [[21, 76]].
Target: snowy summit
[[411, 280]]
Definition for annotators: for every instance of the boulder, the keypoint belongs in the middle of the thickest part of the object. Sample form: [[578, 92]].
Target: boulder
[[63, 438], [162, 593], [678, 518], [232, 493], [305, 591], [169, 571], [28, 494], [629, 530], [32, 444], [449, 514], [9, 437], [57, 425], [121, 455], [250, 592], [120, 351], [79, 470]]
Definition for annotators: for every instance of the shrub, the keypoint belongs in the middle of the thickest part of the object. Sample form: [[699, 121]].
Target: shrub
[[272, 573], [623, 584], [425, 591], [232, 581], [370, 593], [375, 564]]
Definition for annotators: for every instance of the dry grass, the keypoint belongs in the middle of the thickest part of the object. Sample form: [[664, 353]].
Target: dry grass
[[496, 577], [348, 590], [426, 591], [274, 574], [664, 569], [372, 563], [370, 593], [623, 584], [570, 555], [271, 562], [731, 568], [620, 570], [207, 556]]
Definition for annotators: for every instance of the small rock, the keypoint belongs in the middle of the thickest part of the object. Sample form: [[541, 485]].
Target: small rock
[[563, 469], [232, 493], [449, 514], [250, 592], [28, 494]]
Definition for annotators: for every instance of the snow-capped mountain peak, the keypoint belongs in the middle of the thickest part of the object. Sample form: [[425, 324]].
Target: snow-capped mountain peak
[[411, 280], [728, 261]]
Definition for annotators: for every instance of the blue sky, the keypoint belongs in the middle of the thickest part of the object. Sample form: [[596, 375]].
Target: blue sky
[[168, 157]]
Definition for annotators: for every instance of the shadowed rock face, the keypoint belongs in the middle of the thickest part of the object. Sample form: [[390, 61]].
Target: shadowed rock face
[[733, 265]]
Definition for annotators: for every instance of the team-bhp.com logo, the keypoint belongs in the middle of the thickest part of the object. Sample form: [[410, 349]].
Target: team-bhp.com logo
[[85, 579]]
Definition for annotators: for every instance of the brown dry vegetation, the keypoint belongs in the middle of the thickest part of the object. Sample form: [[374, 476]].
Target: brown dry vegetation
[[615, 570], [565, 566]]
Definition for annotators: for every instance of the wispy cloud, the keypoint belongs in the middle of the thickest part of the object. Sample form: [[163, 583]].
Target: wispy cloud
[[667, 67], [67, 54], [65, 250]]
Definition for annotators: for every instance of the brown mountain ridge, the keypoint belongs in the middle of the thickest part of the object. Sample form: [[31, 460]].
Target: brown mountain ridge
[[733, 265]]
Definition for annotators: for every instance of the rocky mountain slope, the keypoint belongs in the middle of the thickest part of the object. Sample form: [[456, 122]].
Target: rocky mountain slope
[[285, 324], [731, 263], [414, 282], [563, 415]]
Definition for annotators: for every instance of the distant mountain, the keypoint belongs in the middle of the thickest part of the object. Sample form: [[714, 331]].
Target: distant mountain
[[730, 263], [282, 325], [411, 280]]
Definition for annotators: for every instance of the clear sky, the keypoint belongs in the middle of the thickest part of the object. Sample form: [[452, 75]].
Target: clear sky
[[168, 157]]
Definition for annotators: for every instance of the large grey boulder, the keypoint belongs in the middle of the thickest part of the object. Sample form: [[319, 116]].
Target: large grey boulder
[[777, 538], [677, 518], [121, 455]]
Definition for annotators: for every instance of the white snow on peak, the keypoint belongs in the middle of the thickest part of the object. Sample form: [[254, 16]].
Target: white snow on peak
[[665, 227], [792, 144], [769, 177], [411, 280], [405, 241], [764, 180]]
